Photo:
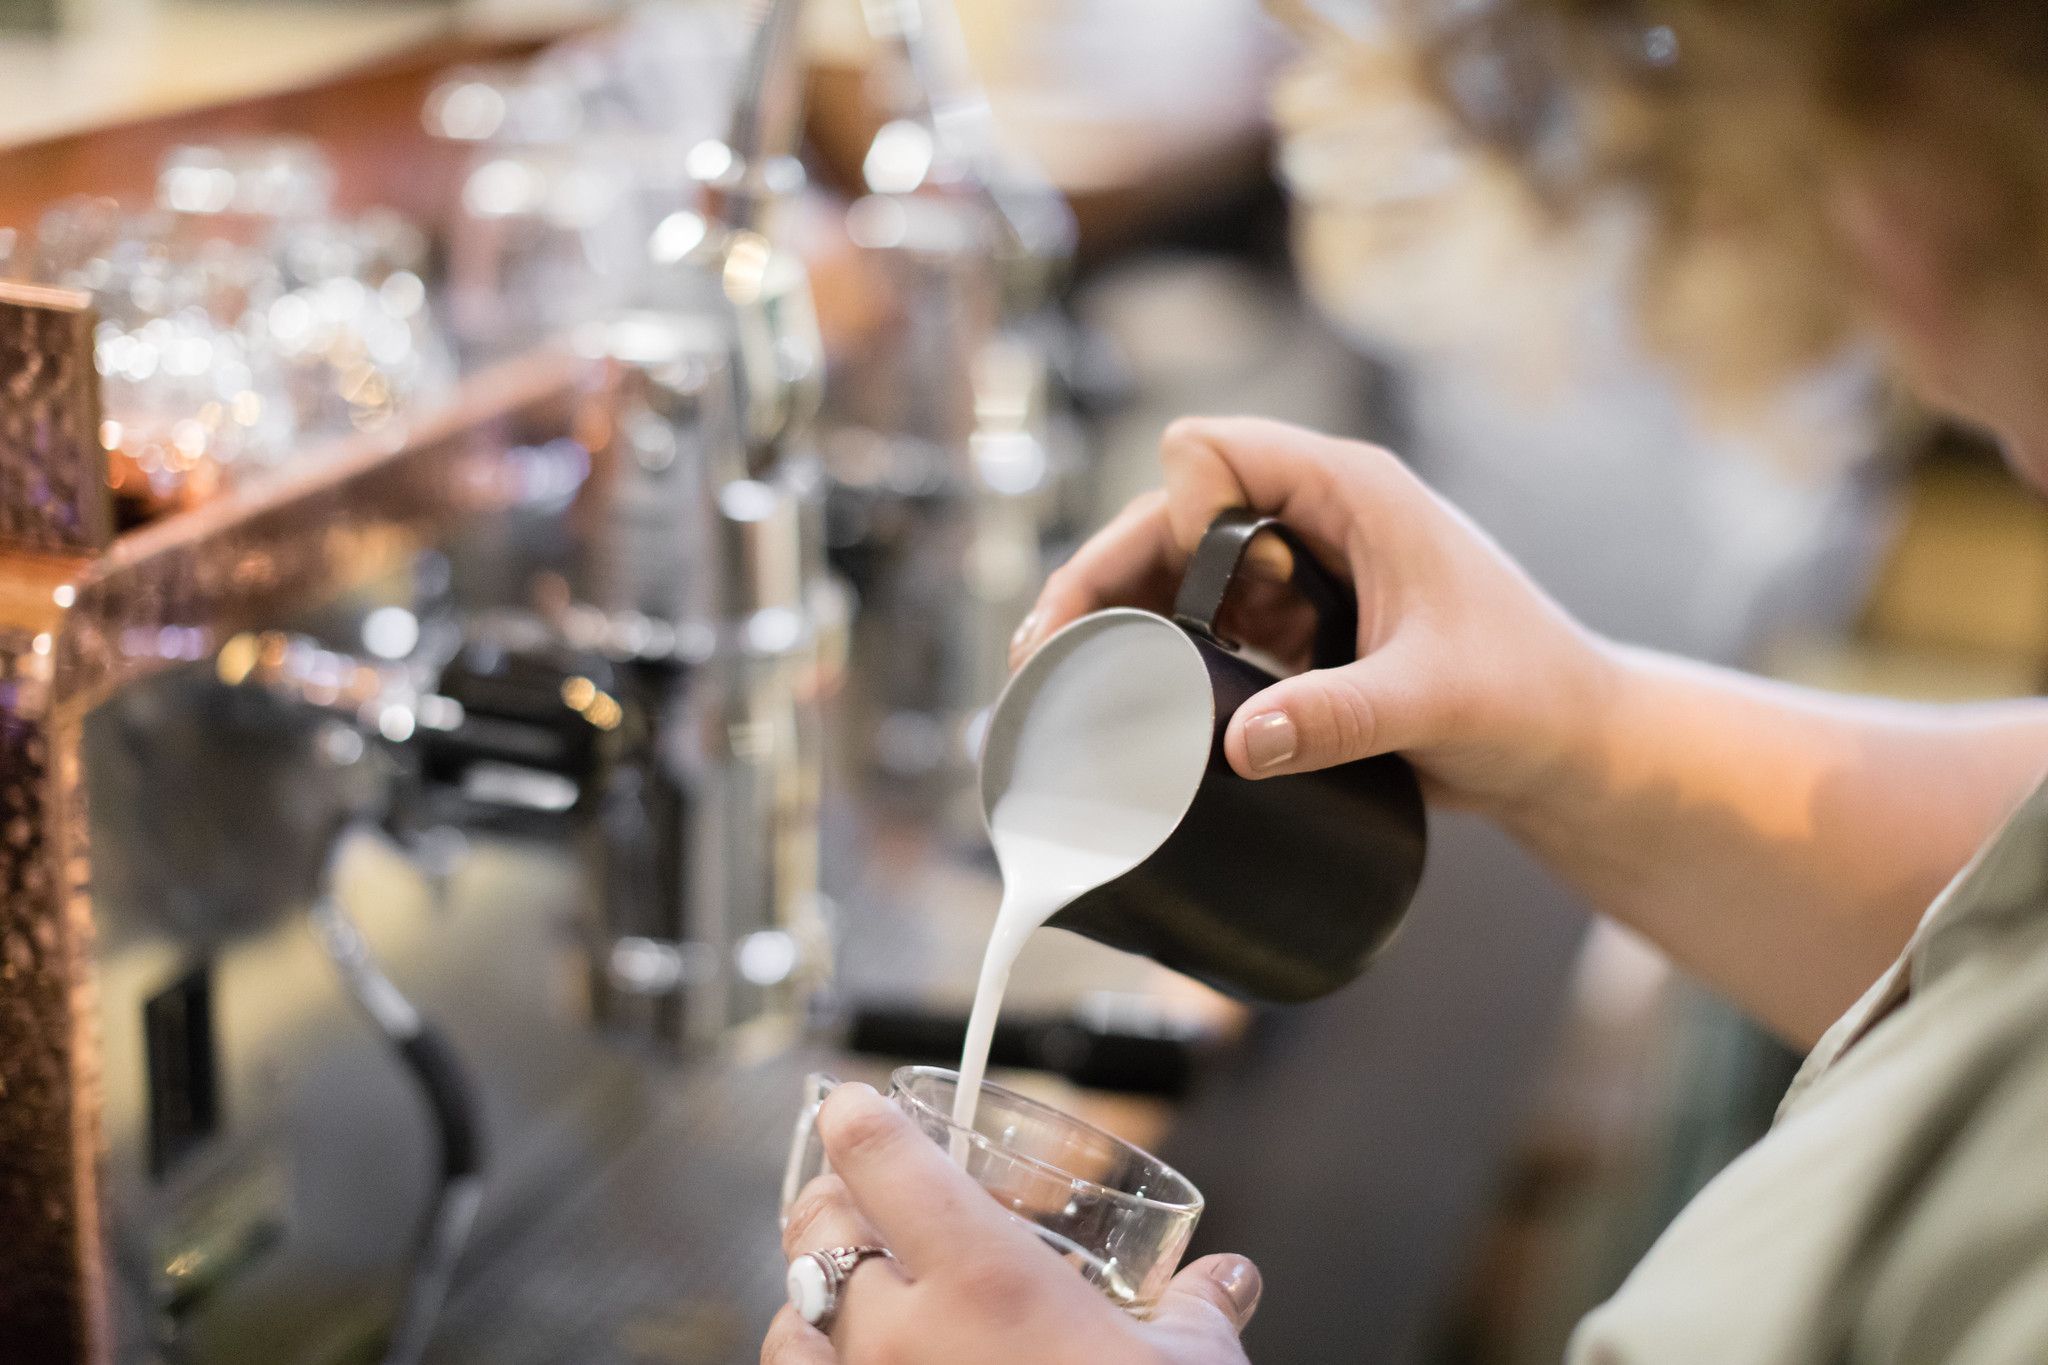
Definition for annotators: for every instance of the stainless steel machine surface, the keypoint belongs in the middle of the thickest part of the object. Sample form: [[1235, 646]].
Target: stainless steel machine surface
[[668, 1253]]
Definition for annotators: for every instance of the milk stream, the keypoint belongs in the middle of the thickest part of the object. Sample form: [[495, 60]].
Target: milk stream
[[1111, 744]]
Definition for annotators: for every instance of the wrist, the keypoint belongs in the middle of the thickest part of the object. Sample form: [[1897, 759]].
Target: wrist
[[1576, 730]]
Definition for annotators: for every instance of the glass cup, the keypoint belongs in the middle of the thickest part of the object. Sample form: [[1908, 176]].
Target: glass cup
[[189, 400], [1118, 1214], [346, 322]]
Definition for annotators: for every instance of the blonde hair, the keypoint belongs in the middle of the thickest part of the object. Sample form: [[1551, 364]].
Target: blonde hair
[[1729, 119]]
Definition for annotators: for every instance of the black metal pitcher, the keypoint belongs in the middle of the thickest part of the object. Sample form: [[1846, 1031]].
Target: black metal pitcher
[[1282, 889]]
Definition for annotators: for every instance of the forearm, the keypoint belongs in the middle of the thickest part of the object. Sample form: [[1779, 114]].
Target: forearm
[[1777, 842]]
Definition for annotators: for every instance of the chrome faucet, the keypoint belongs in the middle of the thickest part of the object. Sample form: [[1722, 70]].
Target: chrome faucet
[[943, 442], [724, 354]]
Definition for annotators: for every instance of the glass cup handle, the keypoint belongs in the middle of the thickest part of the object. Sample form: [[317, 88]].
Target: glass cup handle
[[1214, 568], [806, 1155]]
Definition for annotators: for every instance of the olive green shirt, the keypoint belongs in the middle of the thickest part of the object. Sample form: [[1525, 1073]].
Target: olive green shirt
[[1897, 1212]]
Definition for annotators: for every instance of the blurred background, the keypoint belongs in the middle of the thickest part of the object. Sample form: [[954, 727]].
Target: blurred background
[[793, 343]]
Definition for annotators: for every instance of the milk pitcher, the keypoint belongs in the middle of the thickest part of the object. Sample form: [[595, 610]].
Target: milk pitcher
[[1282, 889]]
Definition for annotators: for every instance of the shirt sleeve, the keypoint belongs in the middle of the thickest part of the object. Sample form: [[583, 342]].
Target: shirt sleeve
[[1963, 1278]]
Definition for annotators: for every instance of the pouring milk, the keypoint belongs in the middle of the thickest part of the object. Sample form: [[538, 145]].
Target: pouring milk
[[1097, 750]]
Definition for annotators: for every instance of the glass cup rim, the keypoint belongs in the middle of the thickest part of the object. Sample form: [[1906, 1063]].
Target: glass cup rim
[[1094, 1187]]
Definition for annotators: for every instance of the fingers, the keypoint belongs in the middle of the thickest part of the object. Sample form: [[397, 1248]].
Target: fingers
[[1132, 561], [1214, 1294], [1343, 499], [1270, 615], [792, 1341], [1328, 490], [823, 1215], [1321, 486], [1314, 720], [927, 1208]]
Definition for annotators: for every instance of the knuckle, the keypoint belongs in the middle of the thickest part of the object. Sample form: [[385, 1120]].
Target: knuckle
[[1350, 719], [1376, 457], [1182, 436], [1376, 470], [1366, 457], [814, 1204], [1190, 445]]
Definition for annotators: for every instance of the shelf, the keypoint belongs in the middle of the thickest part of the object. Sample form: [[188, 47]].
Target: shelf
[[93, 112], [130, 60]]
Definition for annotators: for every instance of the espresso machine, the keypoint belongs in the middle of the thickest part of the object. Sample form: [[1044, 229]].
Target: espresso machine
[[402, 855], [229, 1134]]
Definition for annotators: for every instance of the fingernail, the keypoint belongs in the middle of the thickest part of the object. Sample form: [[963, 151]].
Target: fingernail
[[1242, 1285], [1269, 739], [1026, 636]]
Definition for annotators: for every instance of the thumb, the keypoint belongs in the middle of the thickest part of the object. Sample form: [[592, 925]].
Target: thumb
[[1229, 1285], [1329, 716]]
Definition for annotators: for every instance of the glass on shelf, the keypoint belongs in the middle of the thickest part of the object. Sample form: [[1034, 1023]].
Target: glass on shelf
[[578, 191], [548, 232], [188, 400], [242, 322], [547, 237], [349, 323], [262, 182]]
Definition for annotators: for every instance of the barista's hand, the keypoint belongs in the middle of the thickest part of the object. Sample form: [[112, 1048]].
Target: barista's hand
[[1464, 666], [971, 1283]]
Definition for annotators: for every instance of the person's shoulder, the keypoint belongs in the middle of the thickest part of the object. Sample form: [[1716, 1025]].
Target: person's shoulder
[[1959, 1272]]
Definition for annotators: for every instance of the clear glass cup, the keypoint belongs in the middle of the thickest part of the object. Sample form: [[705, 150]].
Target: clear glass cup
[[189, 400], [250, 183], [348, 322], [1118, 1214], [578, 197], [241, 324]]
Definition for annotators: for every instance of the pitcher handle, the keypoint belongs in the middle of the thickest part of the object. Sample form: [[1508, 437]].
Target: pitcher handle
[[1214, 568]]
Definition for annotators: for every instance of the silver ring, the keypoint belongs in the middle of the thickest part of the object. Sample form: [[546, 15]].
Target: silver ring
[[816, 1277]]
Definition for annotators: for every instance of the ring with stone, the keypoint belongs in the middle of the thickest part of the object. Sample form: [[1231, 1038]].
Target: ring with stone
[[816, 1277]]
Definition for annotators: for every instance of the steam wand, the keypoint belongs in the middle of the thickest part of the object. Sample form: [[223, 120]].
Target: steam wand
[[437, 1070]]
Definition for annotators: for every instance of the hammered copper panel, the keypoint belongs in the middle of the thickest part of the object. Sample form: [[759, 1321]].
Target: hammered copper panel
[[53, 511], [48, 1259], [53, 473]]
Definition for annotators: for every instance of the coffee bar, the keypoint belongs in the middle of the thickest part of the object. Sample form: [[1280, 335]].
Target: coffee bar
[[513, 517]]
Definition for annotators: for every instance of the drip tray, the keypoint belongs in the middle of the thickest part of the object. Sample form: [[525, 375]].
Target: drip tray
[[669, 1255]]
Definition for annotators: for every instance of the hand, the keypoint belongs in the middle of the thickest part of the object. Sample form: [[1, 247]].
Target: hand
[[971, 1282], [1463, 664]]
